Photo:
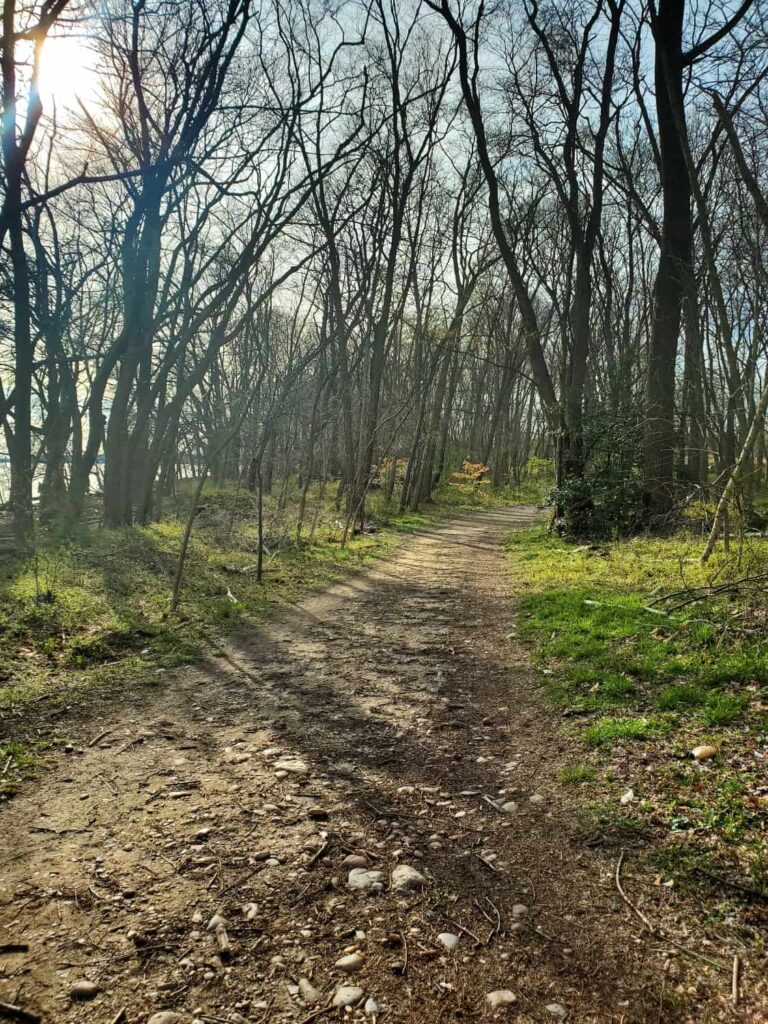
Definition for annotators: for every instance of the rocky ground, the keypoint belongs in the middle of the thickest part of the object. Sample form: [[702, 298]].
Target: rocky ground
[[351, 814]]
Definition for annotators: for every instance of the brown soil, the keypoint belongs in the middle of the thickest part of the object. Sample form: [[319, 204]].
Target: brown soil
[[407, 698]]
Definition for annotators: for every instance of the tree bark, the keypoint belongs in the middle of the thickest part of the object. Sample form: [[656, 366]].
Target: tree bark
[[674, 260]]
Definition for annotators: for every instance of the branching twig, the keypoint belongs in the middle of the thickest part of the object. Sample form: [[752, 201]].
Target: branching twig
[[654, 929]]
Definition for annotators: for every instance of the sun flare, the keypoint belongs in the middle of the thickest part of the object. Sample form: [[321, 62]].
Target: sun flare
[[68, 71]]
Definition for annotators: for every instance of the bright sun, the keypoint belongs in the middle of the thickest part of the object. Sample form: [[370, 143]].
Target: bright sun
[[67, 72]]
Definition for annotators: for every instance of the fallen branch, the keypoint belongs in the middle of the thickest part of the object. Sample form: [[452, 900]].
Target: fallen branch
[[654, 929], [318, 854], [632, 906], [10, 1011], [134, 743], [317, 1013], [101, 736], [465, 930], [758, 893], [735, 979], [493, 804], [695, 594]]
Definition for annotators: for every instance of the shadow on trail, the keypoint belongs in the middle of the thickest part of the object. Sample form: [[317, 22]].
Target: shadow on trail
[[401, 683]]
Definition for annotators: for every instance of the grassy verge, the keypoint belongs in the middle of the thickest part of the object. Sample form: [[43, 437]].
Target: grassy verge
[[640, 689], [84, 615]]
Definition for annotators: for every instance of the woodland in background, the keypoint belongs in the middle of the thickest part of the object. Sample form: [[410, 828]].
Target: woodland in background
[[357, 244]]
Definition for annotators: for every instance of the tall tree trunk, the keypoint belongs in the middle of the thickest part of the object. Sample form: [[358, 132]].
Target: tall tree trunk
[[693, 385], [20, 448], [674, 260]]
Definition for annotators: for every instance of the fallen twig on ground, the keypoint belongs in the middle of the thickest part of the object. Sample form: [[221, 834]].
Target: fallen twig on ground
[[318, 854], [651, 928], [654, 929], [13, 1012], [736, 971], [693, 594], [758, 893], [317, 1013], [465, 930]]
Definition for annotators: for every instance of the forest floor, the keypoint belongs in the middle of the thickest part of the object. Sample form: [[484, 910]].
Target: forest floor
[[315, 812]]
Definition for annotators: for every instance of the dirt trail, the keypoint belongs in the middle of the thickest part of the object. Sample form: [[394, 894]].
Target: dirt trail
[[389, 717]]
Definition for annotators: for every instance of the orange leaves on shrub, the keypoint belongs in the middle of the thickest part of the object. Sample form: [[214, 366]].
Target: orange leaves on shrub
[[471, 475]]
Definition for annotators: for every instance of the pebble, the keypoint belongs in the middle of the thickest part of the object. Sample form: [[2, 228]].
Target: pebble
[[308, 992], [405, 878], [347, 995], [501, 997], [292, 765], [354, 860], [84, 990], [217, 921], [449, 940], [360, 878], [509, 807], [165, 1017], [536, 798], [557, 1010], [350, 963], [519, 910], [371, 1007]]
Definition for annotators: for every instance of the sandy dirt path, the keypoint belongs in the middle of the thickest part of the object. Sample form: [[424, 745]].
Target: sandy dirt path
[[390, 719]]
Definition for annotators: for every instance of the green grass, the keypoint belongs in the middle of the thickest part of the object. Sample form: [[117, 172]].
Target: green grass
[[724, 708], [576, 774], [589, 613], [654, 685], [17, 761], [681, 696], [610, 731]]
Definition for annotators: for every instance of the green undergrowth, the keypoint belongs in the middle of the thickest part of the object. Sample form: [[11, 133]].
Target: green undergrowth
[[640, 681]]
